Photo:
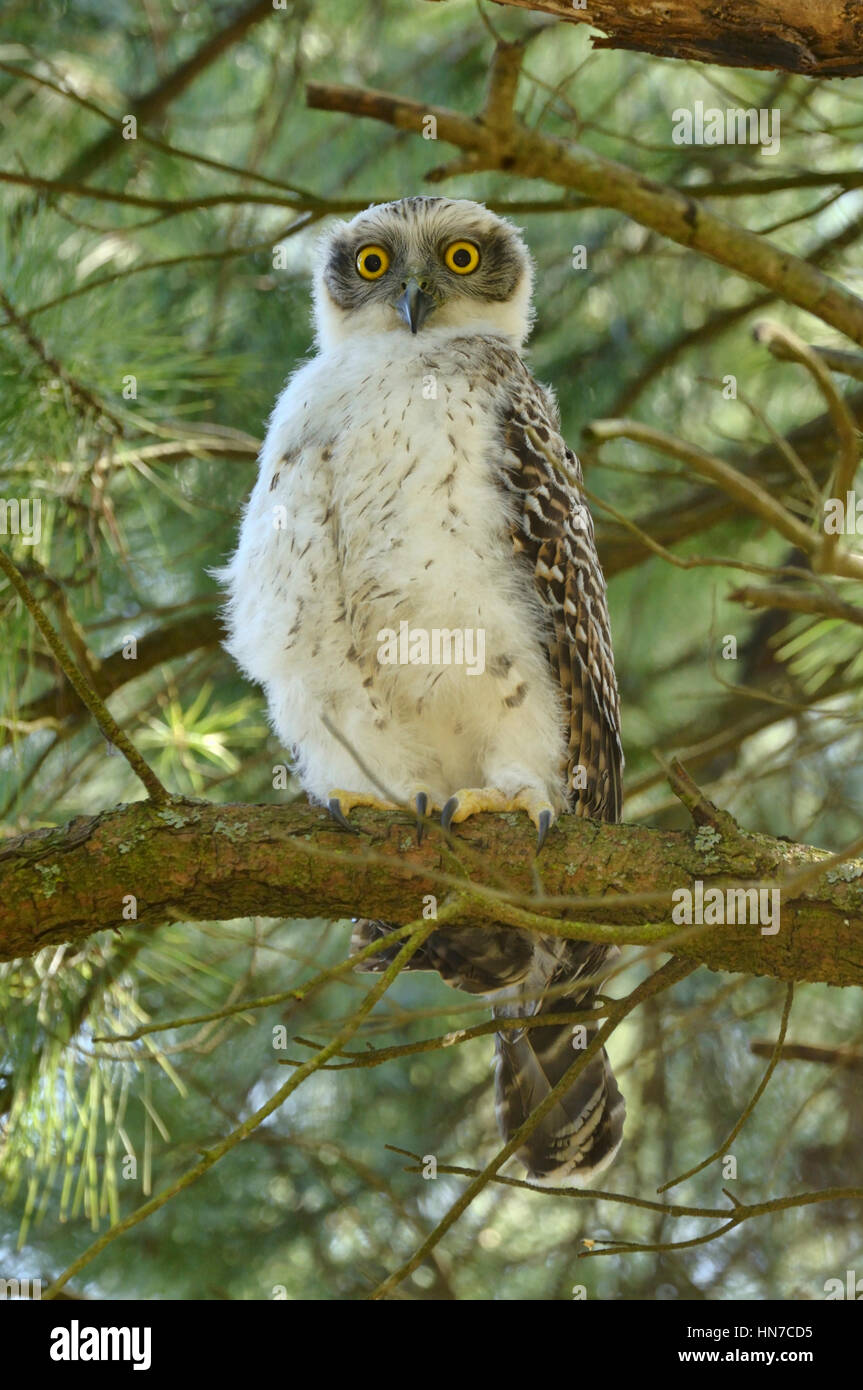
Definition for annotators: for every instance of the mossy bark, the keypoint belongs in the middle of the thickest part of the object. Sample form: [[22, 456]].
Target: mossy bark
[[195, 861]]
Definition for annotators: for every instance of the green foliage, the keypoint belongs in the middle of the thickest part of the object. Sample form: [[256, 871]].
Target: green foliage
[[141, 486]]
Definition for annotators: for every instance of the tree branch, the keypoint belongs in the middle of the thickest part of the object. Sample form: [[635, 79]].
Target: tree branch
[[150, 105], [194, 861], [619, 550], [177, 639], [743, 489], [820, 40]]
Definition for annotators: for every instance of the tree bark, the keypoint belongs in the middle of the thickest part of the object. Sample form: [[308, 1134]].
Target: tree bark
[[196, 861], [824, 39]]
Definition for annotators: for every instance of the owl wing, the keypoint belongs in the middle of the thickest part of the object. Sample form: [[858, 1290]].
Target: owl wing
[[552, 531]]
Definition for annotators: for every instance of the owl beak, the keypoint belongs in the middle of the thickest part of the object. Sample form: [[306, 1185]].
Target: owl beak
[[414, 305]]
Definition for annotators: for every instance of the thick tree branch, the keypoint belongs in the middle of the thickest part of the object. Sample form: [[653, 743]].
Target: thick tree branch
[[192, 861], [819, 40]]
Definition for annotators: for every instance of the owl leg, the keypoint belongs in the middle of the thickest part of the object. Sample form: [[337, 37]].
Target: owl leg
[[471, 801]]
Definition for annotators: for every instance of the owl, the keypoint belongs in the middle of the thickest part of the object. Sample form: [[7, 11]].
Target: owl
[[417, 590]]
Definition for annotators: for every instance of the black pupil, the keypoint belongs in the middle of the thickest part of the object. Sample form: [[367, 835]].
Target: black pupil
[[462, 257], [373, 263]]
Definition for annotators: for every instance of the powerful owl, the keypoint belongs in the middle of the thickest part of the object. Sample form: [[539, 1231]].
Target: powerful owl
[[416, 588]]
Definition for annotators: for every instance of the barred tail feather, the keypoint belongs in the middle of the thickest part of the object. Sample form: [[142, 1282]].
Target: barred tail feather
[[582, 1133], [478, 960]]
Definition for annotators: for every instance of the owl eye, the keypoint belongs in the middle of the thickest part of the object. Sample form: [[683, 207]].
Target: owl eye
[[462, 257], [372, 262]]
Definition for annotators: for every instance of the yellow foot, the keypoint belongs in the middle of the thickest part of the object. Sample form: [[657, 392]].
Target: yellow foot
[[341, 803], [470, 801]]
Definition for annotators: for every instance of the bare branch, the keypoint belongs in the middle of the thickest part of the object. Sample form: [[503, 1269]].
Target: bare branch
[[824, 603], [849, 448], [745, 490], [811, 1052], [670, 974]]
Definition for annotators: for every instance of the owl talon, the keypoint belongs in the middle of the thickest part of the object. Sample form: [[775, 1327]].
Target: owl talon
[[341, 803], [421, 802], [335, 810], [448, 812], [473, 800]]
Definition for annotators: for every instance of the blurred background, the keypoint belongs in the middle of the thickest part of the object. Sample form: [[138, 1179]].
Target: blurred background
[[149, 323]]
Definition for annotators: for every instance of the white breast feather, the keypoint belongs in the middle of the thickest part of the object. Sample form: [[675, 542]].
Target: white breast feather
[[391, 513]]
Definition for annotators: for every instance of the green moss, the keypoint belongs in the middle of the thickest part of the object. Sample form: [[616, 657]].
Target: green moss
[[706, 840], [50, 876], [845, 873], [233, 830]]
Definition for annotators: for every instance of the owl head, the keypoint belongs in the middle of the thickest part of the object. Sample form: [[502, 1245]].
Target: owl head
[[427, 267]]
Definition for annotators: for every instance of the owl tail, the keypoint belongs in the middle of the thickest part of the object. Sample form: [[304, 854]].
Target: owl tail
[[581, 1134]]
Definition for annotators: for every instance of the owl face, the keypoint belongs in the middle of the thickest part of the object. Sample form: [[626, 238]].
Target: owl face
[[423, 267]]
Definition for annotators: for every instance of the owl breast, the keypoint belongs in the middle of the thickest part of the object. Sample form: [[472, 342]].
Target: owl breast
[[376, 579]]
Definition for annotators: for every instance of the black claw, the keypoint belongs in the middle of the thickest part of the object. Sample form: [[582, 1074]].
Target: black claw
[[422, 802], [544, 823], [334, 806], [448, 812]]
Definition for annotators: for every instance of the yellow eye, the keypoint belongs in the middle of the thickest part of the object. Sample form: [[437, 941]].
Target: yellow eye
[[462, 257], [372, 262]]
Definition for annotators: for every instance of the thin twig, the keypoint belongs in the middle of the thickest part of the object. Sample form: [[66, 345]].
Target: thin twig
[[84, 398], [749, 493], [824, 604], [95, 704], [772, 334]]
